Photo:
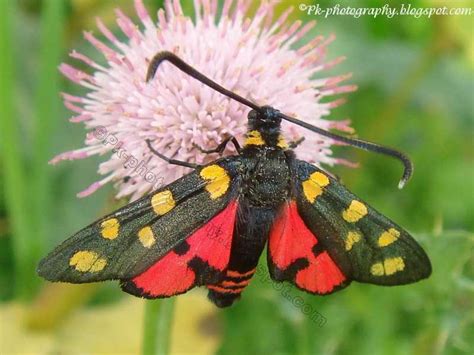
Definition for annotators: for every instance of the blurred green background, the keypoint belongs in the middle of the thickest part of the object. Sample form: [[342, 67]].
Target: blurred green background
[[416, 92]]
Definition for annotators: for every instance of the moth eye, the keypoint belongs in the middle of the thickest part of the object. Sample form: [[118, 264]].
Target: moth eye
[[252, 115]]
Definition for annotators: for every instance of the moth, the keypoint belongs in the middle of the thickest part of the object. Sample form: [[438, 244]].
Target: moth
[[210, 227]]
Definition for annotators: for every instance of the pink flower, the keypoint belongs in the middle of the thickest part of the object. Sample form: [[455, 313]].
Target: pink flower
[[253, 56]]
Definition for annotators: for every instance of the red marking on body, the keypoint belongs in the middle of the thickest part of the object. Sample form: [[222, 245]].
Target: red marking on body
[[231, 273], [233, 283], [290, 239], [225, 290], [234, 287], [211, 243]]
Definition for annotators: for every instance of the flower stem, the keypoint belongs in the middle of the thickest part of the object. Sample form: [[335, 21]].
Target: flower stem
[[157, 326]]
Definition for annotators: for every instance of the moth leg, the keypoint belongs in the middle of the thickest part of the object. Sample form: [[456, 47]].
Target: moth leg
[[220, 148], [171, 161], [294, 144]]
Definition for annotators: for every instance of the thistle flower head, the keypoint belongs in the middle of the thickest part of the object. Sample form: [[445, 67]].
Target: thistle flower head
[[257, 57]]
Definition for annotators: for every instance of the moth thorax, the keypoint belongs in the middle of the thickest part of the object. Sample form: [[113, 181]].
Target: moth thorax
[[263, 138]]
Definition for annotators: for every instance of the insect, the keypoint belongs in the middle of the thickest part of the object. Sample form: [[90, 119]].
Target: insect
[[210, 227]]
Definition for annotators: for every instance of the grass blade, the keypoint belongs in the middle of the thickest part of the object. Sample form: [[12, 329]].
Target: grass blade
[[12, 159], [48, 108]]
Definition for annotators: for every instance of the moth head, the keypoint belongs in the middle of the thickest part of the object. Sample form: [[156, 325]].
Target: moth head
[[265, 117]]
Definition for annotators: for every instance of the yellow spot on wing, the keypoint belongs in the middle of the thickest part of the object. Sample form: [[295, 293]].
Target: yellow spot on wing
[[282, 142], [87, 261], [110, 228], [388, 237], [313, 187], [356, 211], [319, 178], [146, 236], [254, 138], [389, 267], [377, 269], [351, 239], [217, 180], [163, 202], [392, 265]]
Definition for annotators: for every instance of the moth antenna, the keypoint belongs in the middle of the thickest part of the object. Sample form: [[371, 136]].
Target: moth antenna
[[182, 65], [358, 143], [369, 146]]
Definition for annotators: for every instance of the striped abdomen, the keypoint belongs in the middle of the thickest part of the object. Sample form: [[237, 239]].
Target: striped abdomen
[[229, 289], [250, 235]]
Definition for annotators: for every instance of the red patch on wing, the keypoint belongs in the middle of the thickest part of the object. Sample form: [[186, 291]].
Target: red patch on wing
[[211, 243], [290, 240]]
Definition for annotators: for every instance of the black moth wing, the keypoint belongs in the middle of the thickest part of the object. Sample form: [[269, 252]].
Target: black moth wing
[[117, 246], [366, 245]]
